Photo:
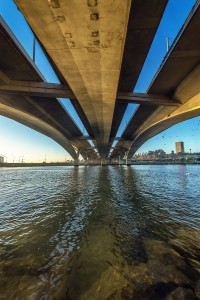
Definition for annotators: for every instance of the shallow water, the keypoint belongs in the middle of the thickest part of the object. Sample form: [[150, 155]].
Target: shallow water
[[100, 233]]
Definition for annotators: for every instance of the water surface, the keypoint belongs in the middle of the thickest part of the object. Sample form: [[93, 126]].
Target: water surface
[[100, 233]]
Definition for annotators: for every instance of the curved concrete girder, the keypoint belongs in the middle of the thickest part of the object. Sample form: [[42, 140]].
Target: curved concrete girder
[[186, 93], [38, 125], [82, 153], [187, 111], [87, 154], [59, 122], [178, 77], [84, 148]]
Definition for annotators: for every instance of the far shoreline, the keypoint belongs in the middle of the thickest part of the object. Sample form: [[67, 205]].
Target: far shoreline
[[61, 164]]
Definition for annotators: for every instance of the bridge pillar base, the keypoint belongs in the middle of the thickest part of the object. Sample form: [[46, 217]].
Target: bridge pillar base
[[76, 163], [103, 162], [128, 163]]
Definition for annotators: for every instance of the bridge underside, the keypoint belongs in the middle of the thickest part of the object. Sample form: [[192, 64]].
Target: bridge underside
[[97, 49], [44, 114], [177, 78]]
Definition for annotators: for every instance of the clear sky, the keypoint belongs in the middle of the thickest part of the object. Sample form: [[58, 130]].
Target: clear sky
[[19, 142]]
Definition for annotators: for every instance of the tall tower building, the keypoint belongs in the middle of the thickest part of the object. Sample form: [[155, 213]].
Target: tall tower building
[[179, 147]]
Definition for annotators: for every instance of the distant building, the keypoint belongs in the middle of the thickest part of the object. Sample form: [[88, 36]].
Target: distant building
[[179, 147], [1, 159]]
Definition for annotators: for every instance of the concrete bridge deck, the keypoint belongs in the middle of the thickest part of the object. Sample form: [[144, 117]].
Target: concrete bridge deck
[[97, 49]]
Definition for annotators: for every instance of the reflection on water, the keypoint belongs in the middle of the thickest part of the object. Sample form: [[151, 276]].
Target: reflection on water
[[100, 233]]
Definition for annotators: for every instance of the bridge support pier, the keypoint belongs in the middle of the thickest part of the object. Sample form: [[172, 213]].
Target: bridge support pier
[[128, 162], [76, 163], [103, 162]]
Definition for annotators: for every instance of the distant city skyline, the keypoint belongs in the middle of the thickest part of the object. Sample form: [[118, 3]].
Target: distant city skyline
[[187, 132], [20, 141]]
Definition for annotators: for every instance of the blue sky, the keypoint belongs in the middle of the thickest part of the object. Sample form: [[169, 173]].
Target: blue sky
[[18, 141]]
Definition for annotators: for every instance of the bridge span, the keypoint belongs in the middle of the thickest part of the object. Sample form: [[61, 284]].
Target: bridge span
[[44, 114], [97, 49]]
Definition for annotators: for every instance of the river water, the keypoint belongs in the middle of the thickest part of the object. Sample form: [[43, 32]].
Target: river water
[[98, 233]]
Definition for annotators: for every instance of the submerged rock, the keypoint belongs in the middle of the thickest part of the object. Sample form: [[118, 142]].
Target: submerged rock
[[187, 243], [181, 294], [109, 286], [197, 289], [162, 252]]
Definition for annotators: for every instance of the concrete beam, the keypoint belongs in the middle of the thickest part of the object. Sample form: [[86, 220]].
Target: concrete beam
[[39, 89], [3, 78], [81, 138], [90, 148], [44, 89], [147, 99], [182, 58]]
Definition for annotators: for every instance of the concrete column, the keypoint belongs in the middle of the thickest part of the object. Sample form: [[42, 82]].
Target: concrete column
[[76, 163], [126, 157], [119, 161], [103, 162]]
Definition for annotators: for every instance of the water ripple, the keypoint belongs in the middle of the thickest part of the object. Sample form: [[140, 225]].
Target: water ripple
[[99, 233]]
